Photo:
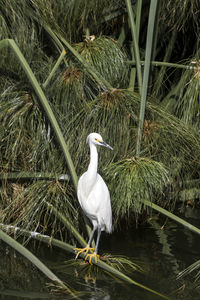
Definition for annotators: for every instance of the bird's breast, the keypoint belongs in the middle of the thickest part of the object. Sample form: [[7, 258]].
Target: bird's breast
[[92, 194]]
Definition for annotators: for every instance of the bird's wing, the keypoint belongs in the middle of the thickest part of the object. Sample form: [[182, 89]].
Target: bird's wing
[[99, 200]]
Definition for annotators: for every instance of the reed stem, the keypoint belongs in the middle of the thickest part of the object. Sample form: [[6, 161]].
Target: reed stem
[[135, 44], [60, 59], [148, 52]]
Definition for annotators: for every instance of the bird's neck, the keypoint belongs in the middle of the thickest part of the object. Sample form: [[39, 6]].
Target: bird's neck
[[93, 165]]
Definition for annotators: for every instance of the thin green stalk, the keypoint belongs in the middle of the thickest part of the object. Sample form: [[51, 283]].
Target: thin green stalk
[[156, 30], [32, 258], [165, 64], [132, 73], [60, 59], [87, 33], [155, 40], [149, 44], [121, 37], [172, 216], [135, 43], [31, 176], [55, 40], [44, 103], [138, 19], [69, 248]]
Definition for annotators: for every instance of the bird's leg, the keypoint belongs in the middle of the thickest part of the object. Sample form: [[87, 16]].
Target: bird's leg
[[95, 255], [98, 238], [91, 236], [87, 248]]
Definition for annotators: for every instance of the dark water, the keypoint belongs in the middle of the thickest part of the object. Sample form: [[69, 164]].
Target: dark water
[[162, 253]]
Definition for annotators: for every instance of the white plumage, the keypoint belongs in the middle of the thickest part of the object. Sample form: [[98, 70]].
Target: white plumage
[[94, 197]]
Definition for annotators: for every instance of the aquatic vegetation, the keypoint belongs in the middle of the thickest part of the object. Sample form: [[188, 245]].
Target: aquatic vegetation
[[68, 69]]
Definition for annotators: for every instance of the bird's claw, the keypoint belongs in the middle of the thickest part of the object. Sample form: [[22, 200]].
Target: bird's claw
[[82, 250], [92, 255]]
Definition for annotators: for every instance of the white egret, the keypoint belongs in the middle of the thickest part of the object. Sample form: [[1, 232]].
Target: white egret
[[94, 197]]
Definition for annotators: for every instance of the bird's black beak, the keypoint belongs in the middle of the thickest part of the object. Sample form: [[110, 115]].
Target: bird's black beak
[[106, 145]]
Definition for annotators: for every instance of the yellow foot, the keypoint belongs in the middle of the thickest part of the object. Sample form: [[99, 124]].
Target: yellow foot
[[82, 250], [92, 255]]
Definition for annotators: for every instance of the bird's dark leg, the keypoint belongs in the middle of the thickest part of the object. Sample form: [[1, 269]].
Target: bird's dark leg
[[98, 238], [91, 236]]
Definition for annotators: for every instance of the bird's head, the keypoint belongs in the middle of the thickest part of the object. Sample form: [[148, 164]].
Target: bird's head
[[96, 139]]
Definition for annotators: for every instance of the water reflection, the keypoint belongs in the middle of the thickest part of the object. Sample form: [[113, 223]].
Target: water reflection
[[19, 279], [162, 251]]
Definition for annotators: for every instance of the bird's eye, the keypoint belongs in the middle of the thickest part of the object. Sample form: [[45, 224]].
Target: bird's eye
[[96, 140]]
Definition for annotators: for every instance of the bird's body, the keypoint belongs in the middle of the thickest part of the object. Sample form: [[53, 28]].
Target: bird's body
[[96, 207], [93, 194]]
